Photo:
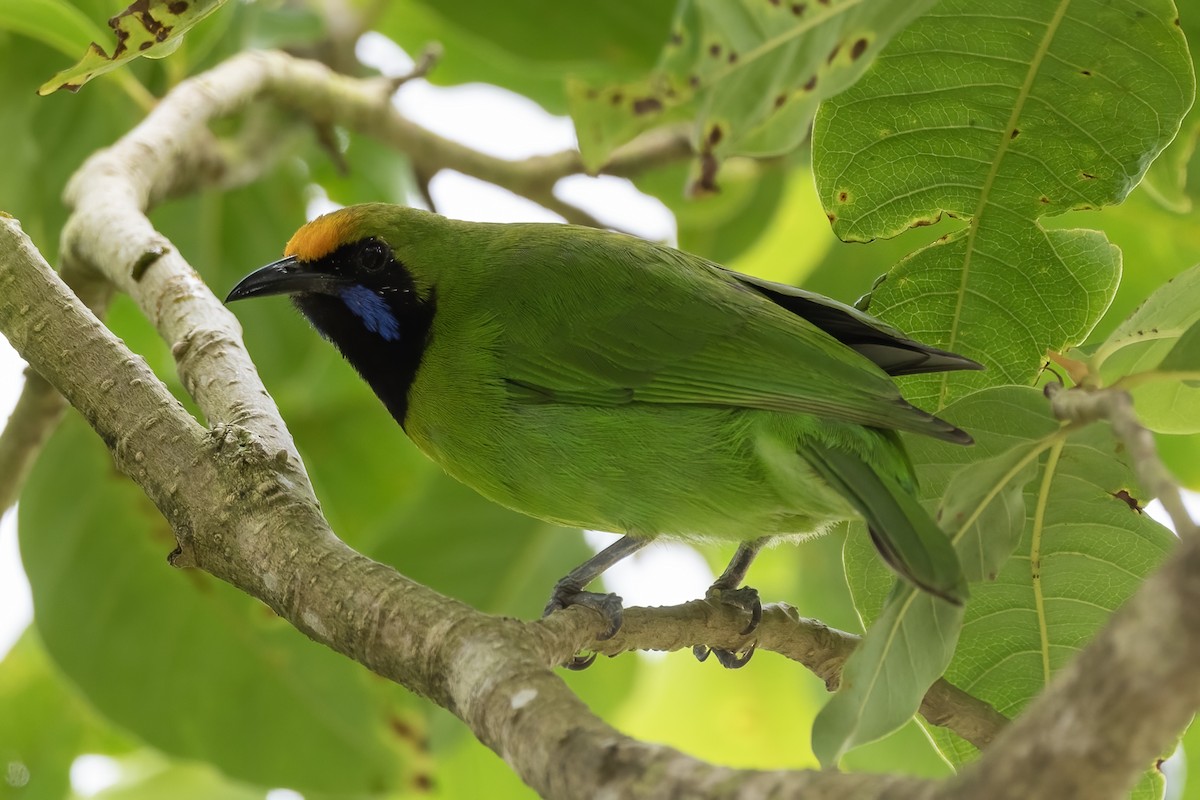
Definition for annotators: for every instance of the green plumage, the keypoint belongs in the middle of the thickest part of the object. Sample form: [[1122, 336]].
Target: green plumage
[[600, 381]]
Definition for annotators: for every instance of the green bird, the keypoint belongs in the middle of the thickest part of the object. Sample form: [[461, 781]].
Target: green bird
[[599, 381]]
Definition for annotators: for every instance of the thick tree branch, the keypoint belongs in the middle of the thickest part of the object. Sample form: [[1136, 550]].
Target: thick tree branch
[[239, 516]]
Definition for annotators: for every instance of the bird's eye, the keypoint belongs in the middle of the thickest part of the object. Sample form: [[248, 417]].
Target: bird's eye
[[373, 256]]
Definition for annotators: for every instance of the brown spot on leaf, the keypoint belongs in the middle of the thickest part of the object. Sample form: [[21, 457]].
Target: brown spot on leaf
[[860, 47], [833, 53], [1086, 72], [145, 45], [1125, 497], [922, 223], [1044, 200], [798, 9], [714, 50], [1014, 133], [178, 7], [706, 181], [843, 196], [733, 57], [403, 730], [1087, 176], [811, 84], [647, 105], [831, 217], [677, 38], [616, 98], [715, 135], [776, 2], [693, 81], [780, 99], [422, 782]]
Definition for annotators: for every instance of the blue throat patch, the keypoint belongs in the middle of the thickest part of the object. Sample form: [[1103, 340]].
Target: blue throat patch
[[373, 310]]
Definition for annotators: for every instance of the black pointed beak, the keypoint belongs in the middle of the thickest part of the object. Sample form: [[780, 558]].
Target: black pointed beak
[[285, 276]]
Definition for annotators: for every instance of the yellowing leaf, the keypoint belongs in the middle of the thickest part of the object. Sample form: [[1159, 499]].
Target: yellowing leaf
[[151, 28]]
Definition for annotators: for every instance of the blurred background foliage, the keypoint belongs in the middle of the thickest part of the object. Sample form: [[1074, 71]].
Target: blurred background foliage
[[196, 690]]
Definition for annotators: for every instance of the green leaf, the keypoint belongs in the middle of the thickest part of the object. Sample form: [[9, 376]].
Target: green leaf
[[903, 652], [1161, 341], [189, 664], [1001, 113], [151, 28], [913, 637], [750, 73], [1082, 552]]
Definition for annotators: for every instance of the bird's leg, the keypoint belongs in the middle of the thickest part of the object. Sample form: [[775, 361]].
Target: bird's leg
[[728, 589], [569, 591]]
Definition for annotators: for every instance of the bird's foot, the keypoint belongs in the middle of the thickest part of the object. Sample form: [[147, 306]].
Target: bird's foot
[[606, 605], [726, 658], [746, 599]]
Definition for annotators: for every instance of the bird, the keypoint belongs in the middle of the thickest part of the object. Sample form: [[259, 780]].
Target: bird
[[596, 380]]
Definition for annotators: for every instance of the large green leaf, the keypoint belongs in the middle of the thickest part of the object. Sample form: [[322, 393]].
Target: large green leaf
[[1160, 342], [185, 662], [1002, 112], [1082, 552], [750, 73]]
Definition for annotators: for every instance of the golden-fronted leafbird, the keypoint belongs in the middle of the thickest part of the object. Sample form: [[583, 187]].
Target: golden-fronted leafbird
[[600, 381]]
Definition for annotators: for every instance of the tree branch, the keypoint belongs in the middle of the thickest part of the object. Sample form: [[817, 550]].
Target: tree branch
[[810, 642], [241, 517]]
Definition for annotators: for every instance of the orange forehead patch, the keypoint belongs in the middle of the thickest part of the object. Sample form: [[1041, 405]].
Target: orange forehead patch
[[320, 237]]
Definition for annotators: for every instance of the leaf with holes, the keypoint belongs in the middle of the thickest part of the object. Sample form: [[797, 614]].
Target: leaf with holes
[[151, 28], [1002, 113], [1083, 549], [1160, 342], [913, 635], [748, 73]]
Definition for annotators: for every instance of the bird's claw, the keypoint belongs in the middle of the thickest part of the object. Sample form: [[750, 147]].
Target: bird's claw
[[606, 605], [745, 598], [726, 658]]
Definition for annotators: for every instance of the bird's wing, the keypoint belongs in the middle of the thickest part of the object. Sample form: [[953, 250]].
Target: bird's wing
[[889, 348], [644, 324]]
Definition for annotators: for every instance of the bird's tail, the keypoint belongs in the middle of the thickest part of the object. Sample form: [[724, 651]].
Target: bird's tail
[[907, 538]]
